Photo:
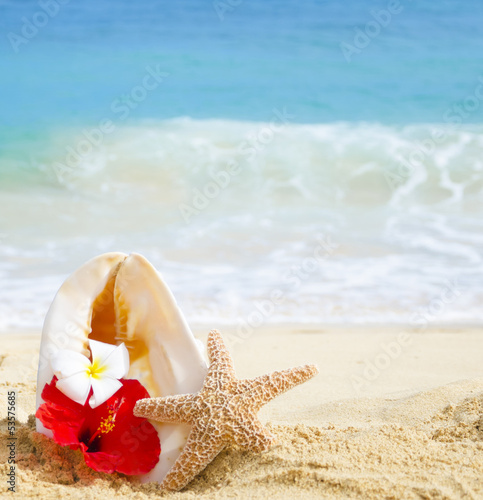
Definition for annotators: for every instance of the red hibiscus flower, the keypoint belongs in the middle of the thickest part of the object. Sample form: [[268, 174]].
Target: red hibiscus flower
[[110, 437]]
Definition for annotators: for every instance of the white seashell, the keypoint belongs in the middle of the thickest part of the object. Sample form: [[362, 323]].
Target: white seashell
[[118, 298]]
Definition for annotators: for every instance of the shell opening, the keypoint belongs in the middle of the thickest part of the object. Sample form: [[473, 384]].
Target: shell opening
[[108, 325]]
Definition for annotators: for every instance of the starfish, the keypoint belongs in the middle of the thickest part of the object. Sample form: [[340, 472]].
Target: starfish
[[223, 412]]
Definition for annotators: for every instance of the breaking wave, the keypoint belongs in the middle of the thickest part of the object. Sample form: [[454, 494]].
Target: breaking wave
[[231, 211]]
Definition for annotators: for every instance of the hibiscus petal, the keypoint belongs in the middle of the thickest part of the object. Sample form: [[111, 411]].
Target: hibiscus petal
[[116, 365], [138, 447], [103, 389], [102, 462], [133, 439], [76, 387], [131, 447], [66, 363], [60, 414]]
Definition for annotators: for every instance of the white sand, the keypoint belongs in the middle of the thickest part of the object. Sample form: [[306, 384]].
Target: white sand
[[408, 424]]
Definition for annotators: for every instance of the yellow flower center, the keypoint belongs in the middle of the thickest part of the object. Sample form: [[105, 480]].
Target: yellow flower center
[[95, 370]]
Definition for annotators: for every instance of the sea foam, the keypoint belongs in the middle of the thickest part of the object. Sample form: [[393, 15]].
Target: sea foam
[[234, 213]]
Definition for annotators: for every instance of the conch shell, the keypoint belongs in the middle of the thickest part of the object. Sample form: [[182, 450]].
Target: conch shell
[[117, 298]]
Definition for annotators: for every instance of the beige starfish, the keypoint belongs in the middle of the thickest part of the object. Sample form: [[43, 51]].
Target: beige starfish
[[223, 412]]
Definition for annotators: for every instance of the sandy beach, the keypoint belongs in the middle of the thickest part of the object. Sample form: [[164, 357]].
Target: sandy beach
[[305, 178], [393, 413]]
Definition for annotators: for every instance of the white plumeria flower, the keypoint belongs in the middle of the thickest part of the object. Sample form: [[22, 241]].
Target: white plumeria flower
[[77, 374]]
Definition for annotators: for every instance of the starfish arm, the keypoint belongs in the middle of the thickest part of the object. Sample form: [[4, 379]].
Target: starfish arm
[[267, 387], [201, 448], [253, 437], [167, 409], [221, 370]]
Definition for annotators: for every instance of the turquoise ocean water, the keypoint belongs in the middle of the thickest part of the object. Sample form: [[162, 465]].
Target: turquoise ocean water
[[329, 150]]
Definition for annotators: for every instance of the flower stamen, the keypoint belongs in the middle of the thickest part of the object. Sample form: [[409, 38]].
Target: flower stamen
[[106, 425]]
